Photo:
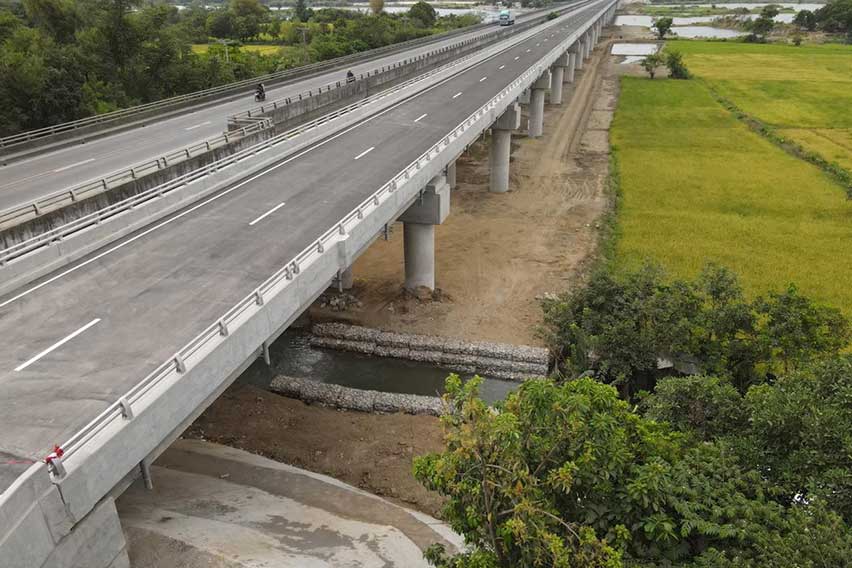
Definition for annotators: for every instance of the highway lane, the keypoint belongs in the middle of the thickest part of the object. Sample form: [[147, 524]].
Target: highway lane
[[83, 336], [22, 182]]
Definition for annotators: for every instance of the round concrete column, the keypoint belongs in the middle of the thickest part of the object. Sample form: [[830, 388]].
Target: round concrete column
[[451, 174], [581, 55], [569, 73], [556, 85], [347, 279], [419, 249], [501, 149], [536, 127]]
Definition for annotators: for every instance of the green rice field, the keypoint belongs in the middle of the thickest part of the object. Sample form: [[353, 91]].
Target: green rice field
[[699, 186]]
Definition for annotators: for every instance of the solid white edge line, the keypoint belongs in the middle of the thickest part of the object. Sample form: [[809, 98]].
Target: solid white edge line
[[69, 166], [267, 214], [57, 345], [421, 117], [365, 152]]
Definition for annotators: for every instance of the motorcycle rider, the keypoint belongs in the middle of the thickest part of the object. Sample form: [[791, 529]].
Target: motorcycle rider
[[260, 92], [350, 76]]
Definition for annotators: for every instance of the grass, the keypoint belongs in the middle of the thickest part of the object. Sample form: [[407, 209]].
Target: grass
[[698, 185]]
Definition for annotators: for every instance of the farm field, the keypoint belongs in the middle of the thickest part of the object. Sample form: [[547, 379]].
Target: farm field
[[257, 48], [699, 186], [804, 92]]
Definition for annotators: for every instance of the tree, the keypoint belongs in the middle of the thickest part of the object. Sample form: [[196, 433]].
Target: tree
[[376, 6], [57, 17], [794, 431], [619, 328], [770, 11], [663, 26], [423, 13], [222, 24], [806, 20], [796, 330], [302, 12], [800, 433], [567, 475], [677, 68], [705, 407], [9, 22], [835, 16], [651, 63], [760, 28]]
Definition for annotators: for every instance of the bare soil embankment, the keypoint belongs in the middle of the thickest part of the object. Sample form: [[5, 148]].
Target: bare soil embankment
[[497, 253]]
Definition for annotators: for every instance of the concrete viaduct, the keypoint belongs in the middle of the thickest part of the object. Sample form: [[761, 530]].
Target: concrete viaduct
[[140, 321]]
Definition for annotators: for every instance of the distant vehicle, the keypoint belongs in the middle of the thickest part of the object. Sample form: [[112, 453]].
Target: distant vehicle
[[350, 77], [507, 18], [259, 93]]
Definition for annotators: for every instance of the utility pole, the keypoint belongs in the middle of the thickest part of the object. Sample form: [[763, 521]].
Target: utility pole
[[304, 31], [224, 42]]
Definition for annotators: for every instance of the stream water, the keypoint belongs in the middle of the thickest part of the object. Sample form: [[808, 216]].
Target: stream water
[[293, 356]]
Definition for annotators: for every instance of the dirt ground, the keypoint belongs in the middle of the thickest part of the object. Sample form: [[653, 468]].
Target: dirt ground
[[370, 451], [497, 254]]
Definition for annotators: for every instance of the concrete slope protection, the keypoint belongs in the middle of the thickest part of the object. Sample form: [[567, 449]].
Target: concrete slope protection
[[214, 505], [83, 336], [100, 328], [43, 174]]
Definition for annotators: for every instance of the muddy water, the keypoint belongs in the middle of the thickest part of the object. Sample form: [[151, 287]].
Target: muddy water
[[292, 355]]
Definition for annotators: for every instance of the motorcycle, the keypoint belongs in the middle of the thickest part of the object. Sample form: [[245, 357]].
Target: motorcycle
[[259, 97]]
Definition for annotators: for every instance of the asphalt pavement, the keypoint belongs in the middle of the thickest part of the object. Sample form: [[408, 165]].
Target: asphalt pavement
[[81, 337], [26, 180]]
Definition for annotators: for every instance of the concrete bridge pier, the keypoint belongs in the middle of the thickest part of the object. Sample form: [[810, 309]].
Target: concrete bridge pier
[[347, 279], [536, 127], [451, 174], [524, 99], [558, 73], [501, 148], [580, 48], [572, 61], [418, 231]]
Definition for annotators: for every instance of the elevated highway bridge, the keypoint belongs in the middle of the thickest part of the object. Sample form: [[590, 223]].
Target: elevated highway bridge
[[113, 354]]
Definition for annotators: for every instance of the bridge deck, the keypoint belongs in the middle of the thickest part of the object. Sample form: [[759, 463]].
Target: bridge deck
[[84, 335]]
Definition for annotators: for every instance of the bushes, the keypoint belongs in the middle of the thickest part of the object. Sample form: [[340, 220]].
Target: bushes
[[623, 328], [568, 475]]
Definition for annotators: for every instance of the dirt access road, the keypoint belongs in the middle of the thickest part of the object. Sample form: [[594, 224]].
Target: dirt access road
[[497, 253]]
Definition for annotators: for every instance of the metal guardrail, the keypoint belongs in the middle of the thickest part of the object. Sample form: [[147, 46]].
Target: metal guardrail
[[12, 140], [252, 118], [59, 233], [218, 331]]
